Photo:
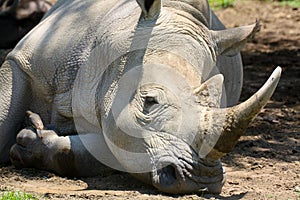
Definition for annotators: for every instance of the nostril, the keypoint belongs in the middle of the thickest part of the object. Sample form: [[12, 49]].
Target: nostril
[[170, 170], [167, 175]]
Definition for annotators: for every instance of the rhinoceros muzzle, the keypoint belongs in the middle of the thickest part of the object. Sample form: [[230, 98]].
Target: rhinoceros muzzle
[[184, 177]]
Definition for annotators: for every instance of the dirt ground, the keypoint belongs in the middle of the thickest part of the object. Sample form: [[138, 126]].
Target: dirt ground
[[265, 164]]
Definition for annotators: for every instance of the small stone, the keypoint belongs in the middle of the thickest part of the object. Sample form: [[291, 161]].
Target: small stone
[[297, 188], [233, 183]]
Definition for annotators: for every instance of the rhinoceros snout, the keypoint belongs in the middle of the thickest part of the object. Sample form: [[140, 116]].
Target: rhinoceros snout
[[175, 179]]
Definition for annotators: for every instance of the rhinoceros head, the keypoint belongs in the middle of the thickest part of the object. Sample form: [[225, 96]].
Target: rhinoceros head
[[165, 122]]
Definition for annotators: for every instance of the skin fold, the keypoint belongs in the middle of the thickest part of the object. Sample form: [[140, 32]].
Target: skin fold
[[149, 87]]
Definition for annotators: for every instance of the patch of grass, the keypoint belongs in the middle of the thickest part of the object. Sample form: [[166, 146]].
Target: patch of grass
[[221, 3], [269, 196], [12, 195], [292, 3], [228, 3]]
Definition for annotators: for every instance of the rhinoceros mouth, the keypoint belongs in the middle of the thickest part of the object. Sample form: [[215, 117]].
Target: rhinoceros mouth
[[184, 176]]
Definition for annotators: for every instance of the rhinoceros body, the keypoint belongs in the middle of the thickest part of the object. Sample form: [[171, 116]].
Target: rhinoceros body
[[150, 87]]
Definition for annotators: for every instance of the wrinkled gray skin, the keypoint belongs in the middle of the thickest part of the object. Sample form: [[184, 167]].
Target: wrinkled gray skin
[[143, 76]]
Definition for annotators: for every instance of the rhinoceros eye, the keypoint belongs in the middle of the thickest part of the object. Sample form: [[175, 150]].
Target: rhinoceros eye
[[150, 101]]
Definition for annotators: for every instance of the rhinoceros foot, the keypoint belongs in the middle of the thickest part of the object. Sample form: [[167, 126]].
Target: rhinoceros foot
[[40, 148], [33, 148]]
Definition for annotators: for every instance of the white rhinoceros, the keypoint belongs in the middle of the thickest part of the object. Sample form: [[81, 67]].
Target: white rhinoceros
[[147, 86]]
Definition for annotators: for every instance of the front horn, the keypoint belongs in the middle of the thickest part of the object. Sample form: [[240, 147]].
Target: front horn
[[238, 117]]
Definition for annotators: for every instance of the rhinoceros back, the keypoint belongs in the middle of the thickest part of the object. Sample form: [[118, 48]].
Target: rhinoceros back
[[52, 53]]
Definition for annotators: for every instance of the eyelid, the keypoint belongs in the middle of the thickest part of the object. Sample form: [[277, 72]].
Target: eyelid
[[150, 94]]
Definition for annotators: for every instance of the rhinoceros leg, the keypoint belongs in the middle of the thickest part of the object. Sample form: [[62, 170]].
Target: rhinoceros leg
[[14, 99], [65, 155]]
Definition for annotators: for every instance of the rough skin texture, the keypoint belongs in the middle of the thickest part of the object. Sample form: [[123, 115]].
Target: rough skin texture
[[94, 48]]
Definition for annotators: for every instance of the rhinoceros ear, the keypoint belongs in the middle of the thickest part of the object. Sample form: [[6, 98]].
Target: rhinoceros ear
[[229, 42], [210, 92], [150, 8]]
